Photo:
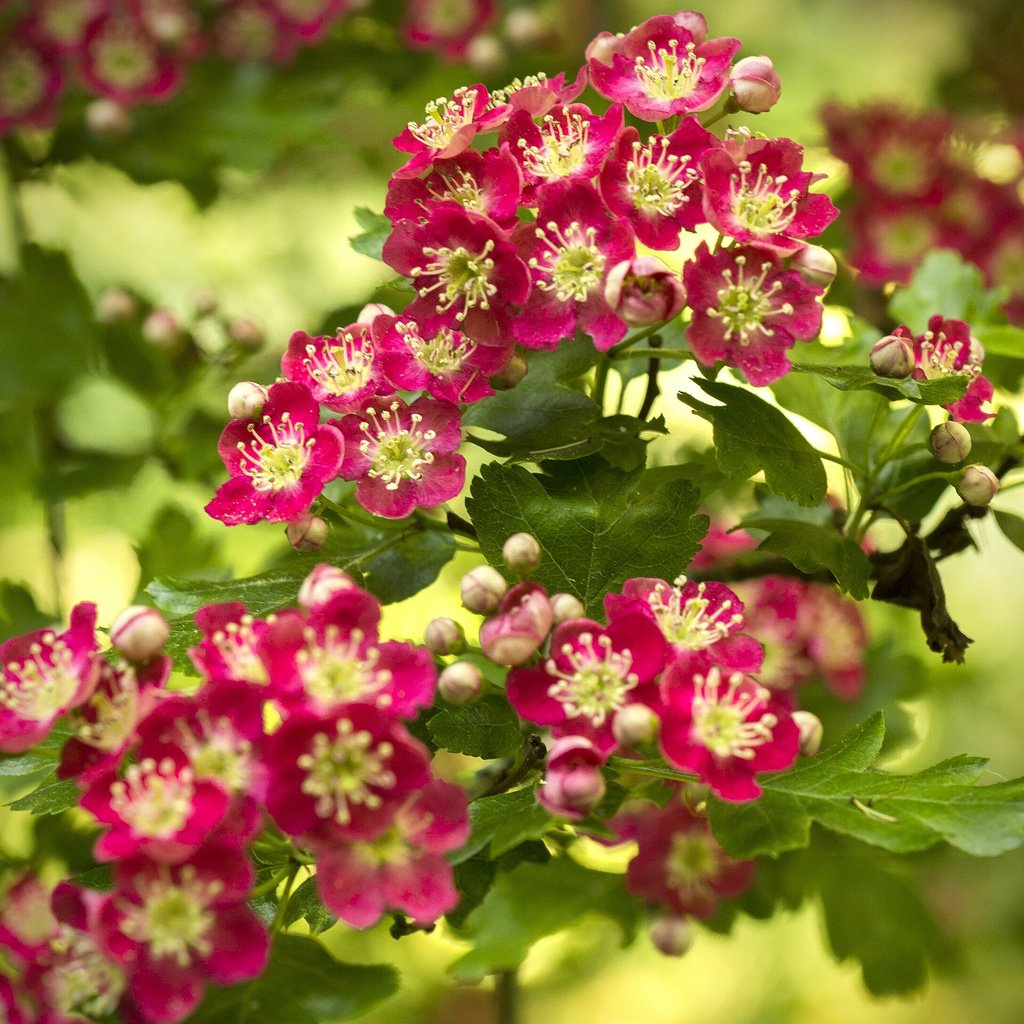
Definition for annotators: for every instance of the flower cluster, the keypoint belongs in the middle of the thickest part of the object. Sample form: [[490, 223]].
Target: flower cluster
[[296, 729], [917, 186]]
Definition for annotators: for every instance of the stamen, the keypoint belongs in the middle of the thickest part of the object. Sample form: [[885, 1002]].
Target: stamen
[[657, 180], [599, 678], [744, 303], [665, 74], [573, 259], [565, 142], [462, 277], [40, 686], [760, 203], [277, 464], [688, 622], [396, 452], [720, 719]]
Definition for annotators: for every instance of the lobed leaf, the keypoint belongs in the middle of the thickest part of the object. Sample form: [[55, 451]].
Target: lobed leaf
[[487, 728]]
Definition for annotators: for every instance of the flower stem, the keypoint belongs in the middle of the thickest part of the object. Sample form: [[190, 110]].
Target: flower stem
[[641, 353], [949, 477], [506, 992]]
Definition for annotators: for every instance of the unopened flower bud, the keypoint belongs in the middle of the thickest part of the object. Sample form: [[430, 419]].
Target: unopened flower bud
[[115, 306], [246, 400], [322, 584], [444, 636], [566, 606], [811, 731], [511, 374], [893, 356], [521, 553], [950, 442], [161, 329], [482, 589], [205, 302], [522, 624], [169, 24], [672, 935], [976, 352], [460, 683], [634, 724], [815, 264], [528, 29], [602, 47], [978, 485], [485, 54], [643, 291], [107, 118], [371, 311], [246, 333], [139, 632], [755, 84], [573, 783], [307, 534]]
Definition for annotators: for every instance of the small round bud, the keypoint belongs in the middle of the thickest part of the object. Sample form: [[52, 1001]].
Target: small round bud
[[169, 24], [573, 783], [893, 356], [566, 607], [482, 589], [521, 553], [976, 352], [460, 683], [950, 442], [528, 29], [115, 306], [978, 485], [511, 374], [205, 302], [672, 935], [246, 333], [371, 311], [139, 632], [485, 54], [246, 399], [815, 264], [161, 329], [643, 291], [307, 534], [322, 584], [107, 118], [521, 626], [634, 724], [811, 731], [444, 636], [755, 84]]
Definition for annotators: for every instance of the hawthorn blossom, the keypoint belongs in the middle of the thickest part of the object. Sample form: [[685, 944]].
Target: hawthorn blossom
[[43, 675], [748, 310], [230, 648], [279, 463], [61, 24], [403, 456], [309, 19], [341, 373], [573, 784], [27, 923], [30, 83], [537, 94], [664, 67], [643, 291], [946, 348], [446, 27], [570, 249]]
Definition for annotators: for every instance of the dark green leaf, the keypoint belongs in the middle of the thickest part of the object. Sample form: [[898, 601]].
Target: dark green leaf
[[502, 821], [305, 904], [376, 228], [50, 797], [18, 611], [751, 435], [943, 391], [488, 728], [1012, 527], [303, 984]]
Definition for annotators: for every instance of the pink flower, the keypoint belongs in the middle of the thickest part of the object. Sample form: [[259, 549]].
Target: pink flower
[[948, 348], [27, 924], [643, 291], [465, 270], [341, 372], [230, 648], [836, 639], [537, 94], [403, 867], [446, 27], [45, 674], [403, 456], [656, 184], [748, 310], [773, 611], [309, 19], [30, 83], [665, 66], [278, 464], [726, 731], [515, 633], [570, 250], [61, 24], [573, 784], [756, 191]]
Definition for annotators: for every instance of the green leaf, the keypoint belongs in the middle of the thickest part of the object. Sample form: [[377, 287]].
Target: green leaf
[[901, 813], [18, 611], [376, 228], [303, 984], [1001, 340], [304, 904], [488, 728], [100, 414], [49, 797], [537, 900], [502, 821], [1012, 527], [751, 435], [943, 391], [943, 284], [596, 525], [811, 547]]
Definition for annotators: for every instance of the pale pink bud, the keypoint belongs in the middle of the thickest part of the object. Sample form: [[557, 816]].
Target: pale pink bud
[[815, 264], [573, 783], [976, 352], [528, 29], [566, 606], [107, 118], [460, 682], [511, 374], [115, 306], [893, 356], [307, 534], [168, 24], [246, 333], [322, 584], [643, 291], [521, 553], [672, 935], [522, 624], [444, 636], [371, 311], [246, 399], [161, 329], [482, 589], [635, 723], [756, 84], [978, 485], [811, 731], [950, 442], [485, 54], [139, 632]]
